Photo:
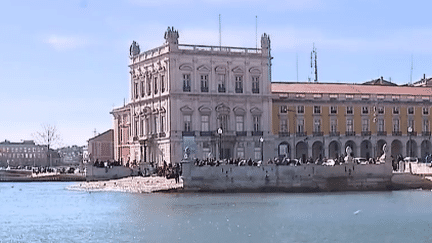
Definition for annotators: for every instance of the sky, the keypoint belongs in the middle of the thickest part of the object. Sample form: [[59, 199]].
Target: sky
[[65, 63]]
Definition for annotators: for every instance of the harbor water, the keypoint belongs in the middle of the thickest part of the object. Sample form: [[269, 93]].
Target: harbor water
[[49, 212]]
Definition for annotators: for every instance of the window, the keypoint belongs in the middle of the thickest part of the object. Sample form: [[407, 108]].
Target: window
[[283, 109], [205, 123], [256, 123], [349, 125], [255, 85], [283, 125], [206, 152], [365, 125], [204, 83], [163, 83], [425, 125], [239, 123], [411, 123], [300, 125], [333, 109], [317, 125], [148, 86], [163, 123], [156, 124], [148, 126], [410, 110], [136, 90], [380, 110], [239, 84], [395, 110], [155, 85], [257, 152], [333, 125], [365, 110], [223, 122], [240, 152], [142, 89], [136, 127], [396, 125], [300, 109], [187, 123], [317, 109], [186, 83], [141, 127], [221, 83], [425, 111], [349, 110]]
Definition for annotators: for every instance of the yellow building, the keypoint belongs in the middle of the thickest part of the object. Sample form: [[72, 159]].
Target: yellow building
[[322, 119]]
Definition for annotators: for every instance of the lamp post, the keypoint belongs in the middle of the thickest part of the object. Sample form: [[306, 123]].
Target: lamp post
[[219, 131], [410, 129], [262, 148]]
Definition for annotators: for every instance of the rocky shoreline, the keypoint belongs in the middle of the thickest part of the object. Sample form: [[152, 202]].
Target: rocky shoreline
[[136, 184]]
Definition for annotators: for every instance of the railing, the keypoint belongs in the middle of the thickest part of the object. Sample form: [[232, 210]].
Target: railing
[[219, 49], [162, 134], [334, 134], [382, 133], [413, 133], [366, 133], [204, 89], [243, 133], [238, 90], [206, 133], [221, 89], [301, 134], [188, 133], [255, 91], [257, 133], [317, 134], [350, 133], [426, 133], [186, 88], [284, 134], [397, 133]]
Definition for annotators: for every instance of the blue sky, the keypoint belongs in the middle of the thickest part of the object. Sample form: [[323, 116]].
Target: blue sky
[[64, 63]]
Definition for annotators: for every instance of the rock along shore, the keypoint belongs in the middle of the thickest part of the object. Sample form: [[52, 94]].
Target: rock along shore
[[135, 184]]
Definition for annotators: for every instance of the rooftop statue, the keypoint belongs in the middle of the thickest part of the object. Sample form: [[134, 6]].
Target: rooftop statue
[[134, 49]]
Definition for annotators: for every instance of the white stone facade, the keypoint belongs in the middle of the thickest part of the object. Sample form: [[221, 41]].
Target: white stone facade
[[182, 94]]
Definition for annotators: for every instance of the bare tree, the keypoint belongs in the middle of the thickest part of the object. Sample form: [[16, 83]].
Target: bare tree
[[48, 136]]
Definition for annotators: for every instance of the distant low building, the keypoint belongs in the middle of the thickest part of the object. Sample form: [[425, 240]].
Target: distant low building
[[101, 147], [71, 155], [25, 153]]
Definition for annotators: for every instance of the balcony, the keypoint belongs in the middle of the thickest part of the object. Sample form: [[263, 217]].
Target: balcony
[[255, 91], [349, 133], [301, 134], [204, 89], [188, 133], [382, 133], [238, 90], [257, 133], [397, 133], [206, 133], [366, 133], [426, 133], [186, 88], [317, 134], [221, 89], [284, 134], [154, 135], [162, 134], [241, 134], [413, 133], [334, 134]]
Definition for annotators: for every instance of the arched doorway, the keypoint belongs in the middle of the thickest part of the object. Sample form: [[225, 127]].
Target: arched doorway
[[334, 150], [302, 151], [284, 150], [352, 145], [411, 148], [317, 150], [379, 149], [366, 149], [425, 148], [396, 148]]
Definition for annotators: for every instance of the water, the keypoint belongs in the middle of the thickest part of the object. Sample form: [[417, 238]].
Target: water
[[47, 212]]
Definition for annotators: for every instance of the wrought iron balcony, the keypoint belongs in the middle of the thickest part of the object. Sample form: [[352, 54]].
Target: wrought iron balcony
[[397, 133], [426, 133], [334, 134], [382, 133], [204, 89], [188, 133], [239, 90], [221, 89], [366, 133], [186, 88], [206, 133], [317, 134], [257, 133], [301, 134], [255, 91], [162, 134], [349, 133], [284, 134], [413, 133], [243, 133]]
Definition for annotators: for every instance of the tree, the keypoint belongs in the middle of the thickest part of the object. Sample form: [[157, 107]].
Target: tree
[[48, 136]]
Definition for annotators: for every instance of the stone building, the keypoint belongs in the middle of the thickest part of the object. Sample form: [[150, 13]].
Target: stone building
[[25, 153], [213, 100], [101, 147], [321, 119]]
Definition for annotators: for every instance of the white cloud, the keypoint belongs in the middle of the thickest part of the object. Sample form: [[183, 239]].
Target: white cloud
[[66, 42]]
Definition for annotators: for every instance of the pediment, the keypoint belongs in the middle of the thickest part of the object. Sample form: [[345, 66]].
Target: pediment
[[238, 70], [222, 108], [204, 69], [186, 67], [255, 111], [255, 70], [220, 69], [204, 110], [186, 110], [239, 111]]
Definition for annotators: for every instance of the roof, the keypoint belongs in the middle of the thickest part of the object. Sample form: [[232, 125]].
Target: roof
[[99, 135], [379, 81], [346, 88]]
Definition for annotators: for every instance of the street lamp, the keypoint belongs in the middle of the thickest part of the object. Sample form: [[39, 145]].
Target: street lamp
[[262, 149], [410, 129], [219, 131]]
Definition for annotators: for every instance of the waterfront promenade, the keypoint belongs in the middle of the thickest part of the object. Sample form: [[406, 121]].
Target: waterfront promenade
[[136, 184]]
